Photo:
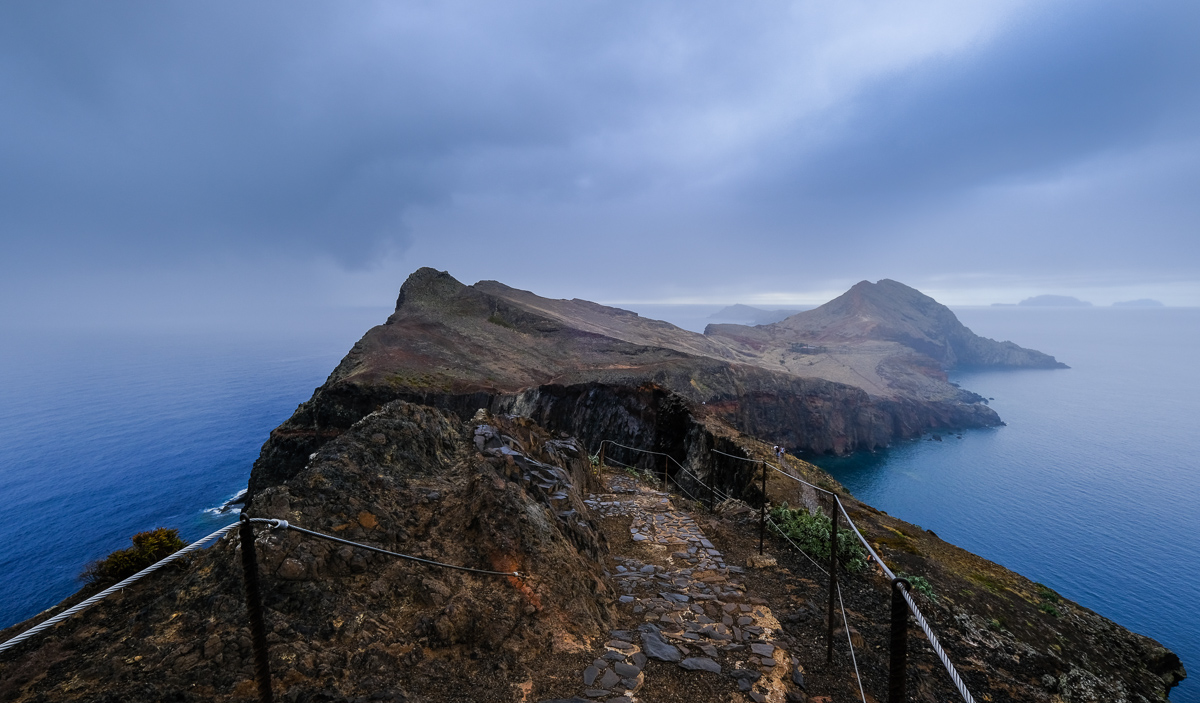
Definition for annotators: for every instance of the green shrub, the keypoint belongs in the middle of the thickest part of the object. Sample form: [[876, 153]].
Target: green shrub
[[148, 548], [919, 584], [643, 476], [1046, 593], [810, 532], [1048, 598]]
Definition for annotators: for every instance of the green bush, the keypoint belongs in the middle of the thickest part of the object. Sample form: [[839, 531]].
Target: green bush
[[919, 584], [148, 548], [810, 532], [1046, 593], [1048, 598], [643, 476]]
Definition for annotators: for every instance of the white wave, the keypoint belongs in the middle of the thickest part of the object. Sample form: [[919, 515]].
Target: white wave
[[228, 505]]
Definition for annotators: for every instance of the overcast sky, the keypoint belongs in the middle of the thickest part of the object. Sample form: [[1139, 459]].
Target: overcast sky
[[225, 158]]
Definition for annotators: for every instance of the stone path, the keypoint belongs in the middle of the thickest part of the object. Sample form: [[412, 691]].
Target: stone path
[[694, 611]]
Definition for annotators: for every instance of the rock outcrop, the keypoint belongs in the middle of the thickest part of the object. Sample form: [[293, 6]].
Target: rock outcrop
[[496, 494], [822, 381], [461, 432], [626, 590]]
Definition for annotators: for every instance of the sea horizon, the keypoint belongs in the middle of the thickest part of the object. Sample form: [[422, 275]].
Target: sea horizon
[[107, 433]]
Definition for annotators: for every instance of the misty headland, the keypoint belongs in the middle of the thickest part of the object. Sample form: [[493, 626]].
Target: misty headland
[[531, 352]]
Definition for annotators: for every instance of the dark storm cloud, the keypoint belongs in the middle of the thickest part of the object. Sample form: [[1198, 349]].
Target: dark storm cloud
[[164, 129], [1061, 85], [510, 140]]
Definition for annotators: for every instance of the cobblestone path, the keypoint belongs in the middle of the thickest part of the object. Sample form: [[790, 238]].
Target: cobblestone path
[[694, 611]]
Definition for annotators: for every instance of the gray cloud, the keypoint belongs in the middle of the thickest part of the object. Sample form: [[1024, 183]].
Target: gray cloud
[[1057, 86], [516, 140]]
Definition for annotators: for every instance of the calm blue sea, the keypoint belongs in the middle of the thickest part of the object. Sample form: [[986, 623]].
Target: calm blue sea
[[106, 434], [1093, 487]]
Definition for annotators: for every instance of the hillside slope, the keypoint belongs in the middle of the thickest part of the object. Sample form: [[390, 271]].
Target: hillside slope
[[467, 347], [889, 311], [607, 571]]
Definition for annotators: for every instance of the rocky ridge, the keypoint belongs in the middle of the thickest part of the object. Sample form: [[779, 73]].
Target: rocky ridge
[[809, 383], [461, 431], [619, 579]]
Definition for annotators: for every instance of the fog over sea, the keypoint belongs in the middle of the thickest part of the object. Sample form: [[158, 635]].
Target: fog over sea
[[1092, 487]]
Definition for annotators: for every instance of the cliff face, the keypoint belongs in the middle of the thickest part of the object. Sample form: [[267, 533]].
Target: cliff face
[[501, 493], [346, 624], [463, 347], [460, 431]]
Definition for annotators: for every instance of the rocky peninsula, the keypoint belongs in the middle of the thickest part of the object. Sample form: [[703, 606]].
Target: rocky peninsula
[[466, 430]]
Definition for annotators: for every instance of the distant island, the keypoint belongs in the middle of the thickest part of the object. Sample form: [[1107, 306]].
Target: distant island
[[1139, 303], [747, 315], [1057, 301]]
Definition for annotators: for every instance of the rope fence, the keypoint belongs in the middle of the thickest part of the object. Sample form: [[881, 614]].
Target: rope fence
[[937, 647], [41, 627], [254, 605], [200, 543], [284, 525], [713, 490], [850, 641], [666, 474], [899, 584]]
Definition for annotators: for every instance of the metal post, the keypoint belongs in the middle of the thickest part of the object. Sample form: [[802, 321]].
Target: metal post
[[762, 513], [833, 584], [258, 631], [665, 466], [601, 467], [897, 667]]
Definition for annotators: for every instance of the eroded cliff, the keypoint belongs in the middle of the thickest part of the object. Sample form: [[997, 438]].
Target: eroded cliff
[[464, 347], [594, 547]]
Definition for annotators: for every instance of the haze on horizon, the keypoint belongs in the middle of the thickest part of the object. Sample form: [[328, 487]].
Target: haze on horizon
[[232, 160]]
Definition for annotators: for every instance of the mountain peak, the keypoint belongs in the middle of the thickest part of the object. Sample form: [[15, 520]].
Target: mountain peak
[[893, 312], [428, 283]]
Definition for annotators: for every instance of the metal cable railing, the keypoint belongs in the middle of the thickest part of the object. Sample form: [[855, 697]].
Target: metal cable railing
[[778, 529], [897, 583], [850, 641], [198, 544], [47, 624]]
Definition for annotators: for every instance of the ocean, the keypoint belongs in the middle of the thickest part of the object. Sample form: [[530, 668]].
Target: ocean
[[1092, 487], [104, 434]]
